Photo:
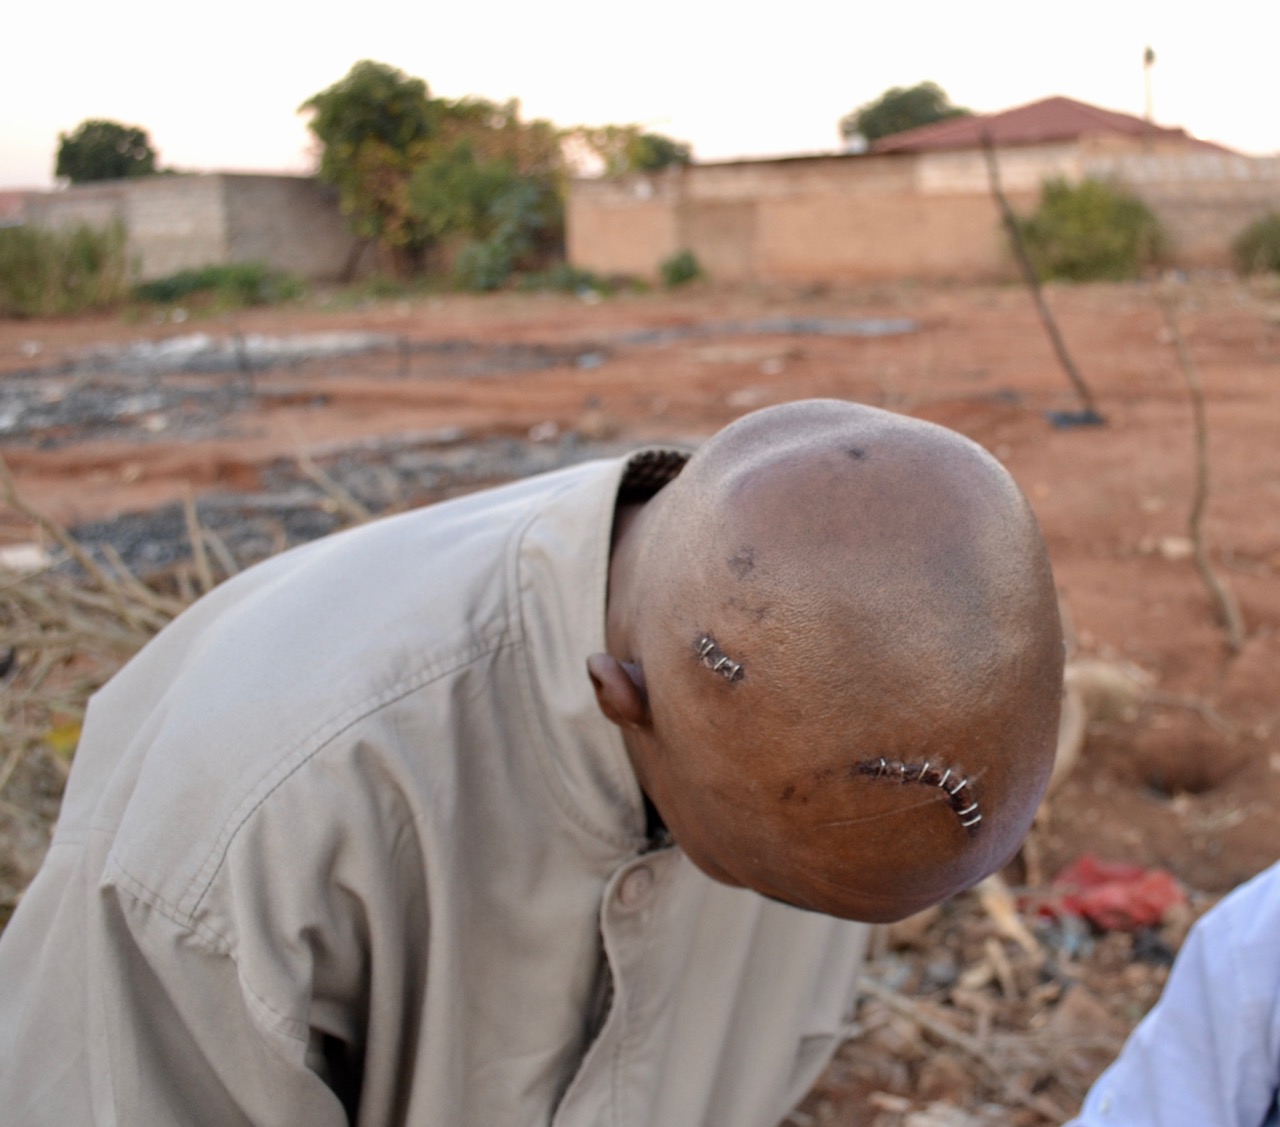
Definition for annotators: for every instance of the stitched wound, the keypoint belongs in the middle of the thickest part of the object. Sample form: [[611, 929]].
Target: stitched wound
[[715, 659], [953, 783]]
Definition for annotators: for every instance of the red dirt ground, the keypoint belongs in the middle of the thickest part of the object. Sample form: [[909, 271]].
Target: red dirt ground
[[1191, 783]]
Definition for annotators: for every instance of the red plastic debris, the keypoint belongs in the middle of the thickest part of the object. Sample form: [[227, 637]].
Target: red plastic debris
[[1113, 895]]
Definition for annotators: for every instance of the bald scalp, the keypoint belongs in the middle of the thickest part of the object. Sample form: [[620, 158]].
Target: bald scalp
[[847, 614]]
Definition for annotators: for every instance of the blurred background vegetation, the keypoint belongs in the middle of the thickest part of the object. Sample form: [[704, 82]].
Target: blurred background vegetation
[[462, 188], [468, 194]]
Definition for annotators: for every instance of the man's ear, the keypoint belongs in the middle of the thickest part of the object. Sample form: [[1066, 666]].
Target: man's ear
[[620, 690]]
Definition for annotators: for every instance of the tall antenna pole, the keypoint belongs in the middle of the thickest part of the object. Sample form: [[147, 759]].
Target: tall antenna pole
[[1148, 61]]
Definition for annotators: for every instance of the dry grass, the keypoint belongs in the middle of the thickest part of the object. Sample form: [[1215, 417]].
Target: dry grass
[[65, 629]]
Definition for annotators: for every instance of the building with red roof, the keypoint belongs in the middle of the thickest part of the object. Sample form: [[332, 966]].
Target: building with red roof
[[1048, 121], [917, 205]]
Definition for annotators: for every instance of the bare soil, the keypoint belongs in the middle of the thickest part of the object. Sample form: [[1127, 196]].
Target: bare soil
[[464, 391]]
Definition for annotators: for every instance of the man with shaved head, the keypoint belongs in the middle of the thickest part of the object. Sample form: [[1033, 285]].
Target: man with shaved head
[[358, 839], [828, 604]]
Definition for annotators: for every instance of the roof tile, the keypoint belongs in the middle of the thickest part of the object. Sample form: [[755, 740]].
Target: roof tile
[[1050, 119]]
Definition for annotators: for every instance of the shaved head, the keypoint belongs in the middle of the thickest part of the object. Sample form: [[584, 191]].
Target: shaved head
[[842, 633]]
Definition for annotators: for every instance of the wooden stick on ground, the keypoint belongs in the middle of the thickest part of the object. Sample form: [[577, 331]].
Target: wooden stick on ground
[[343, 501], [1033, 283], [1228, 608], [218, 546], [967, 1044], [195, 533], [142, 614]]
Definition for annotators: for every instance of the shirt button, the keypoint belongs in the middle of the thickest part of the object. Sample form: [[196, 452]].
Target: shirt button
[[635, 887]]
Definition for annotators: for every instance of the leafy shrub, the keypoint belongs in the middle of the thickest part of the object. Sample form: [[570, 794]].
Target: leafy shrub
[[1257, 248], [379, 286], [482, 265], [566, 278], [505, 218], [47, 272], [1091, 231], [232, 286], [680, 268]]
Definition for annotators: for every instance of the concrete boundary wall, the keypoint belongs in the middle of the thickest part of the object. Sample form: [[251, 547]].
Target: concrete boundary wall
[[1203, 199], [923, 216], [174, 223]]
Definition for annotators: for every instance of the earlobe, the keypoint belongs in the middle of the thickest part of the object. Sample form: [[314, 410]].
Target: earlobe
[[620, 690]]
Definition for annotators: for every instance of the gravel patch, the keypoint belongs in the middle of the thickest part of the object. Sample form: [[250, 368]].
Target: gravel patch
[[294, 507]]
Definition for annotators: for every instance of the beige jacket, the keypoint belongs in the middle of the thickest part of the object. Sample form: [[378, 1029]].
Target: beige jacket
[[350, 841]]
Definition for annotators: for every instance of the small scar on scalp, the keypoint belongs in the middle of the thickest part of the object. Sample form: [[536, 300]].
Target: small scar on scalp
[[757, 611], [857, 453], [743, 561], [715, 659]]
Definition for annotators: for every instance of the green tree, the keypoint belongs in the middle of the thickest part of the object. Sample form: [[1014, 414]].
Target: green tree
[[453, 192], [373, 103], [104, 150], [488, 185], [371, 126], [628, 148], [649, 152], [412, 170], [899, 109], [499, 217], [497, 132], [415, 172]]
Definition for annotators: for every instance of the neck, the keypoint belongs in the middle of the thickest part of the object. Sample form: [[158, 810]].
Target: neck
[[629, 524]]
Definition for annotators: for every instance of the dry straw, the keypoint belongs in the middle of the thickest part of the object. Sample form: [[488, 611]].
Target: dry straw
[[65, 631]]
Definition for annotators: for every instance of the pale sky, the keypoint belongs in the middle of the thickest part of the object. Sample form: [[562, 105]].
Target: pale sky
[[217, 85]]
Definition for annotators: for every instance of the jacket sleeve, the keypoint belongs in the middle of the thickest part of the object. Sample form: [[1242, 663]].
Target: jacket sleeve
[[1209, 1052], [114, 1013]]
